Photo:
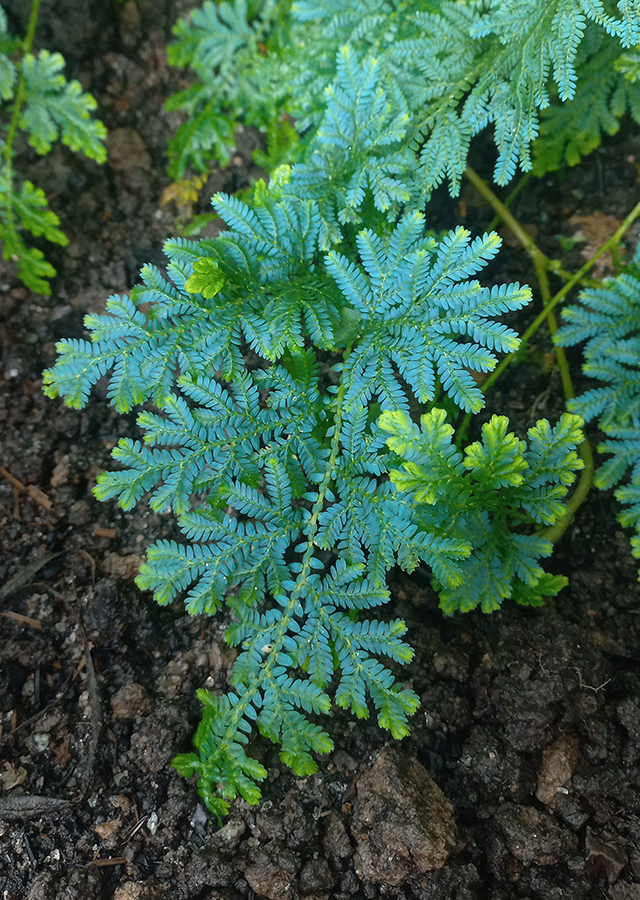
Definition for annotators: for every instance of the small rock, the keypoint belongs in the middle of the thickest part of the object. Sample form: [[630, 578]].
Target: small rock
[[127, 567], [533, 836], [126, 150], [570, 810], [172, 681], [109, 832], [314, 876], [79, 513], [130, 19], [336, 841], [42, 887], [451, 664], [154, 740], [130, 890], [227, 838], [402, 822], [131, 702], [604, 857], [559, 762], [272, 872], [629, 715]]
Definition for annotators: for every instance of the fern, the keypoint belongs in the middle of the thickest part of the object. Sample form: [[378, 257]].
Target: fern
[[278, 471], [278, 478], [47, 108], [478, 496], [569, 131], [608, 319], [551, 74], [228, 46]]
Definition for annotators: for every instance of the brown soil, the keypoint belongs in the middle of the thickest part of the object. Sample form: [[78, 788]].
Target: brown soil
[[530, 719]]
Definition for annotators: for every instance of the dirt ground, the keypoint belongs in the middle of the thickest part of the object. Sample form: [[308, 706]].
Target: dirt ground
[[522, 773]]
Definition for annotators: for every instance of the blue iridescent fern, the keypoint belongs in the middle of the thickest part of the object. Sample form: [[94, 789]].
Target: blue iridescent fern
[[278, 470], [552, 73], [608, 319]]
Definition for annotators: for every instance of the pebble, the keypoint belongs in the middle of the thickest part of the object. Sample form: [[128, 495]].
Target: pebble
[[402, 823]]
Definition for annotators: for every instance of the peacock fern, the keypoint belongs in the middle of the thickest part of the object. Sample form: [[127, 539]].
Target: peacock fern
[[299, 479]]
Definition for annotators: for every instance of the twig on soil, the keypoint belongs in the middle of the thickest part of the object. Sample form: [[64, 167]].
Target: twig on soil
[[26, 806], [32, 491], [110, 861], [58, 697], [23, 576], [22, 620], [94, 702]]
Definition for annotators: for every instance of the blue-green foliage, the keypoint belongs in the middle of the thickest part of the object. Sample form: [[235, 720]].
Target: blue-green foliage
[[276, 475], [275, 462], [479, 496], [447, 70], [606, 91], [51, 109], [608, 319], [229, 46]]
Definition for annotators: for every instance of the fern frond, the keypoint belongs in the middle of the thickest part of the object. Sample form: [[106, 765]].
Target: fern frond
[[416, 309], [608, 318], [57, 109], [224, 44], [569, 131], [478, 505]]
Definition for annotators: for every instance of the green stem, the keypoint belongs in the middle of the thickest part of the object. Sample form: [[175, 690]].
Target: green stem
[[536, 254], [271, 660], [512, 196], [541, 263], [18, 103], [542, 266], [562, 293]]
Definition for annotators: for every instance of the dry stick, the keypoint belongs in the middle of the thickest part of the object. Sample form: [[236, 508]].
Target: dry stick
[[543, 264]]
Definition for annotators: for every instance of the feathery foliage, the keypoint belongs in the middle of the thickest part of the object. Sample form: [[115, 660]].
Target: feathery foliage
[[229, 46], [608, 319], [42, 103], [278, 476], [480, 495], [293, 500], [555, 73]]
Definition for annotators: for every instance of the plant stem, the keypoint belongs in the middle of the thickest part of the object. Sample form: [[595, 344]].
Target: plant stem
[[543, 265], [551, 265], [512, 196], [562, 293], [275, 648], [18, 103]]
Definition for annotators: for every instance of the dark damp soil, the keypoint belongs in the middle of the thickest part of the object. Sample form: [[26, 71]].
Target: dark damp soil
[[521, 778]]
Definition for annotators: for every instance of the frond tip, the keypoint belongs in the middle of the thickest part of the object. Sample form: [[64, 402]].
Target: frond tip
[[481, 495]]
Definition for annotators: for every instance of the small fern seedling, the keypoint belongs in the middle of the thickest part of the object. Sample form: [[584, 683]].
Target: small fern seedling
[[47, 108]]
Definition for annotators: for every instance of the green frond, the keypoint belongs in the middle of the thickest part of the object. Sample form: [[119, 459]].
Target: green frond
[[478, 498], [57, 109]]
